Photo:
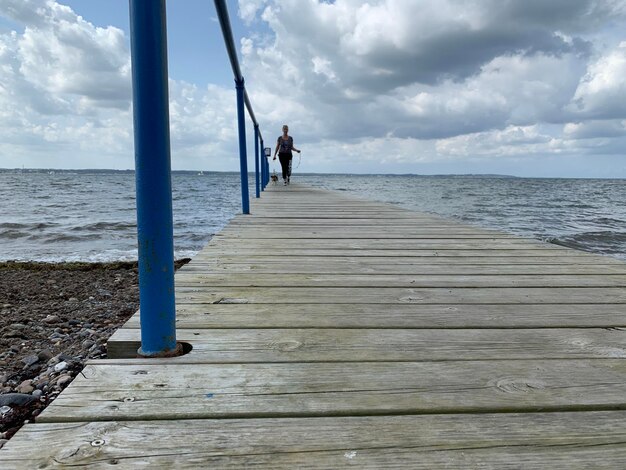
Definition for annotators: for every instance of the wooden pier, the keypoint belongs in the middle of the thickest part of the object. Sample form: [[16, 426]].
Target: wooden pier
[[334, 332]]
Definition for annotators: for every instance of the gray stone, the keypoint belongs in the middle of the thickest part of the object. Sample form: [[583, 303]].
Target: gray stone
[[54, 361], [16, 399], [45, 355], [51, 319], [30, 360], [37, 393], [60, 366]]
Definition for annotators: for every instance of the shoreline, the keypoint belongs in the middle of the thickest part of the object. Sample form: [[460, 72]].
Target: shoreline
[[53, 318]]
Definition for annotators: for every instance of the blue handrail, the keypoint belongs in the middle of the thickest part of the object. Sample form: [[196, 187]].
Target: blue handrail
[[242, 95]]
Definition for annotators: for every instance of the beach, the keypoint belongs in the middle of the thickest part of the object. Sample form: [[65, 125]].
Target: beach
[[54, 317]]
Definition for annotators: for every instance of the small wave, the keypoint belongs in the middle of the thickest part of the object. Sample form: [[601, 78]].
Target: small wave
[[63, 237], [607, 242], [101, 226], [13, 234], [34, 226], [608, 222]]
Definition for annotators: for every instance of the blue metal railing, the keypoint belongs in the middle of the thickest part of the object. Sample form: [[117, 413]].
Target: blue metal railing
[[155, 234], [242, 97]]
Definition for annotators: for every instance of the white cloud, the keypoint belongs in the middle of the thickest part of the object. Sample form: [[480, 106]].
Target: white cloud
[[601, 91], [248, 9], [595, 129]]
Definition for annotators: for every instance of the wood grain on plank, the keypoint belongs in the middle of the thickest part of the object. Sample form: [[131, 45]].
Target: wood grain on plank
[[490, 441], [165, 391]]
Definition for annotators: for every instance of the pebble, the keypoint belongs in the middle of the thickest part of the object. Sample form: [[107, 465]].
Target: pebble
[[37, 393], [54, 361], [30, 360], [51, 319], [16, 399], [5, 409], [63, 380], [26, 387], [45, 355], [60, 366]]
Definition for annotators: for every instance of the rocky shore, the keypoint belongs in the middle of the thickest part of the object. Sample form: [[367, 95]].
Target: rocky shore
[[53, 318]]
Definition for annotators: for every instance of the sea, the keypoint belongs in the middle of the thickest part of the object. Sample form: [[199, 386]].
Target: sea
[[89, 215]]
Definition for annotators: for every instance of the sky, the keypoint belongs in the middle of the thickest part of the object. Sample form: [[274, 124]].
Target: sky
[[517, 87]]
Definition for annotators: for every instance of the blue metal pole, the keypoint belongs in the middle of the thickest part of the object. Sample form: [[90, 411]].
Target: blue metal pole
[[256, 161], [262, 166], [266, 166], [153, 179], [267, 171], [243, 162]]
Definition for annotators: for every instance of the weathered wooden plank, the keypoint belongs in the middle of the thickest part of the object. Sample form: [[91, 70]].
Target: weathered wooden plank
[[396, 316], [278, 265], [216, 251], [571, 440], [257, 232], [397, 280], [289, 244], [391, 295], [333, 226], [339, 221], [372, 345], [523, 263], [166, 390]]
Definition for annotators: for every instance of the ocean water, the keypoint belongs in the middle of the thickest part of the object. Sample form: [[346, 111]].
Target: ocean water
[[90, 216]]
